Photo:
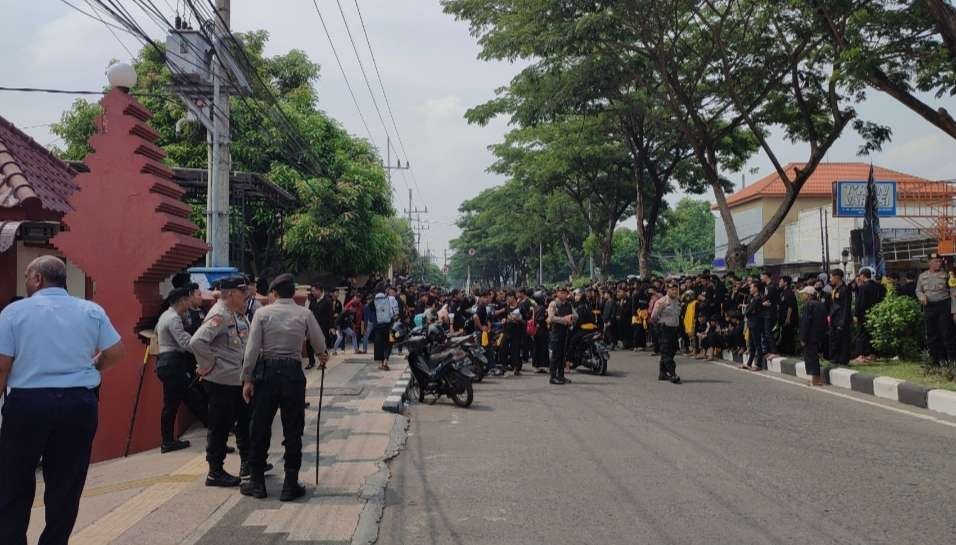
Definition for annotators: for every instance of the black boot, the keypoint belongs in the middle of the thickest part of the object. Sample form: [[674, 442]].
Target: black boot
[[255, 487], [291, 489], [219, 477], [244, 469], [174, 445]]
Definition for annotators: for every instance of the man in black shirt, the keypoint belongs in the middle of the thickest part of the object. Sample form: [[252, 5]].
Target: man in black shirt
[[868, 294], [787, 316], [841, 315]]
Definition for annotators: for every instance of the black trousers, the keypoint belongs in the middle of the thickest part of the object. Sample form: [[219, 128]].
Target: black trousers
[[626, 333], [640, 337], [755, 343], [381, 343], [811, 357], [840, 345], [559, 345], [179, 386], [540, 358], [788, 340], [57, 424], [281, 389], [667, 337], [940, 334], [864, 346], [511, 350], [227, 411]]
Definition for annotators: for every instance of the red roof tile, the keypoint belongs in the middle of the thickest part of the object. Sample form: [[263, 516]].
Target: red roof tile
[[28, 172], [821, 181]]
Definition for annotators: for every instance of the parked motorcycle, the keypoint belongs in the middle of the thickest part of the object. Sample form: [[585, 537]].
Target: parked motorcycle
[[591, 353], [438, 368]]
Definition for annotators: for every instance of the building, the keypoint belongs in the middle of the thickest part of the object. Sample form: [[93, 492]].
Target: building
[[35, 188], [811, 235]]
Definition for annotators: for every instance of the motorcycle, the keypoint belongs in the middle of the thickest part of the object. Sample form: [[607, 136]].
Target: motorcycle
[[591, 353], [438, 368]]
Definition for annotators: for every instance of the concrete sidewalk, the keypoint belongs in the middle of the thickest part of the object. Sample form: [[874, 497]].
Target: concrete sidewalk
[[152, 498]]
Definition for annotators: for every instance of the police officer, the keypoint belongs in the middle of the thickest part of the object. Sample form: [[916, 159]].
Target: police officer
[[841, 318], [666, 314], [175, 368], [939, 309], [272, 379], [560, 318], [219, 345]]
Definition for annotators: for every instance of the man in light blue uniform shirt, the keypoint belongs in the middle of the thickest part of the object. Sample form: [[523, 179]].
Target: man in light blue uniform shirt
[[52, 349]]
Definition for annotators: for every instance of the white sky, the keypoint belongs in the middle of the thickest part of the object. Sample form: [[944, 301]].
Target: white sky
[[429, 66]]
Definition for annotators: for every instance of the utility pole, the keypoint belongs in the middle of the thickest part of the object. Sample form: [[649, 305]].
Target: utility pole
[[417, 225], [388, 165], [540, 264], [220, 159], [590, 232]]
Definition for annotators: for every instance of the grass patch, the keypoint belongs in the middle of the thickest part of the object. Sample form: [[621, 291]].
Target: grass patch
[[909, 371]]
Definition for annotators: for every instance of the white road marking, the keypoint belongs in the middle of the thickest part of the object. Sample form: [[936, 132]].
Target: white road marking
[[828, 390]]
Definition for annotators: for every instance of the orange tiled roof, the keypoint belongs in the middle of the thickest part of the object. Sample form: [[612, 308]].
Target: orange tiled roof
[[821, 181], [30, 173]]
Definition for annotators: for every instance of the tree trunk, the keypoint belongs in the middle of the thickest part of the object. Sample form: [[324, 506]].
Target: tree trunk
[[575, 271], [644, 261], [945, 16]]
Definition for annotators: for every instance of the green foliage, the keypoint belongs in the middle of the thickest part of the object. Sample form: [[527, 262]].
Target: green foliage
[[75, 129], [345, 222], [895, 326]]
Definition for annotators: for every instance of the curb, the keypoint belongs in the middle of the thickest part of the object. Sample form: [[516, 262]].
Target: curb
[[395, 401], [908, 393]]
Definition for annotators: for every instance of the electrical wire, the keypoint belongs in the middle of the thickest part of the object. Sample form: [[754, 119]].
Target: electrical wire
[[110, 28], [95, 18], [361, 65], [344, 74]]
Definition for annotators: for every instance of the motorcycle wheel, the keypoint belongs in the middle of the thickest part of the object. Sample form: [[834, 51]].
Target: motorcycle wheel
[[415, 390], [464, 399]]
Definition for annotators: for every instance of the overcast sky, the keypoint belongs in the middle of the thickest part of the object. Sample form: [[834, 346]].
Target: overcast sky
[[429, 67]]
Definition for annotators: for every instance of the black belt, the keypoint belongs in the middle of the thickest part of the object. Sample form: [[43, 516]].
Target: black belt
[[282, 362], [947, 301]]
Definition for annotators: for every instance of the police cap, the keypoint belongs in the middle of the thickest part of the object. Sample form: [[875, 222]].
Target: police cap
[[232, 283], [281, 280], [934, 255]]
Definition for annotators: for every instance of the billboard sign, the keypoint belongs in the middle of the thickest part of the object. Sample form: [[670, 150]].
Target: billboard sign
[[849, 198]]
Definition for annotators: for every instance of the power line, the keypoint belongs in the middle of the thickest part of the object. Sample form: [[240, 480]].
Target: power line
[[344, 75], [378, 74], [358, 58], [110, 28], [91, 16]]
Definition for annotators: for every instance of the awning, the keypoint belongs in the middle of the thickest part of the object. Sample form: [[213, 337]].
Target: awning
[[31, 231], [8, 234]]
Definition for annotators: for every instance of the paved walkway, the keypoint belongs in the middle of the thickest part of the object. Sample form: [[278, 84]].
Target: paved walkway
[[160, 499]]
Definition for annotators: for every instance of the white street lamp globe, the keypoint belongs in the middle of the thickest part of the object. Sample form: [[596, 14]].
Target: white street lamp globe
[[121, 75]]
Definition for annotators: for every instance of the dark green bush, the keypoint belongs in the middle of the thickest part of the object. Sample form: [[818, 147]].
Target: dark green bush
[[896, 326]]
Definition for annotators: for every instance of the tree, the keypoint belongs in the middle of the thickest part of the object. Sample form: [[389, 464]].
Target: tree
[[575, 157], [687, 237], [575, 72], [341, 167], [897, 47]]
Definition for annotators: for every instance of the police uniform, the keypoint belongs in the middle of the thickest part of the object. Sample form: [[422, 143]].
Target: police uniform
[[51, 408], [666, 314], [175, 368], [932, 288], [219, 345], [273, 363]]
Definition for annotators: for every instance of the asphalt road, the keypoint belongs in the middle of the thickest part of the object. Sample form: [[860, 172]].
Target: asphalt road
[[727, 457]]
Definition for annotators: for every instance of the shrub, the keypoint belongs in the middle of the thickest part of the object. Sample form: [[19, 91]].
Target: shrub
[[896, 326]]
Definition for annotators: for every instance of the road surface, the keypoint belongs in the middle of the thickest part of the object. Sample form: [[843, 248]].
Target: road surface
[[728, 457]]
